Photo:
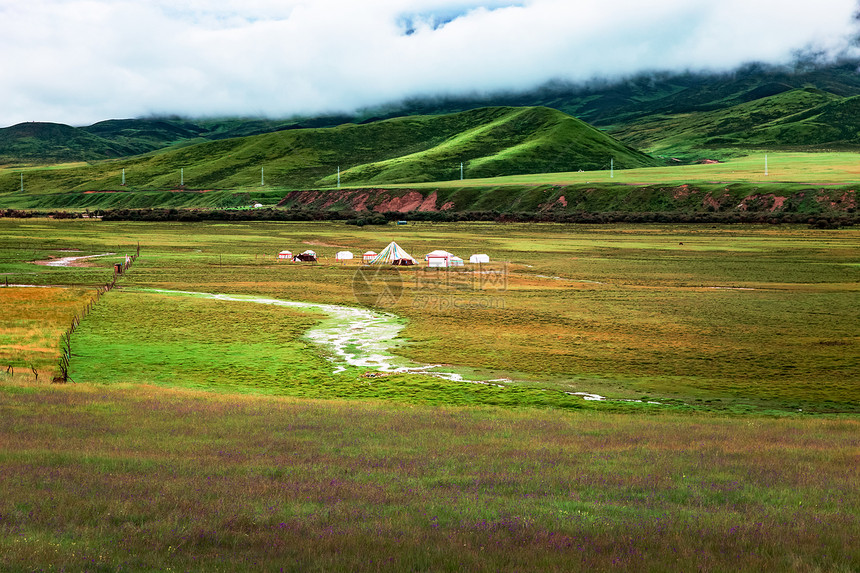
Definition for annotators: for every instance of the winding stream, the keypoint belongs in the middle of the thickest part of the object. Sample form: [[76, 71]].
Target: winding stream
[[364, 338], [352, 336]]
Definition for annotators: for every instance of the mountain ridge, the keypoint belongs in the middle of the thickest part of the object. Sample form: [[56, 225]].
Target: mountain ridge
[[488, 141]]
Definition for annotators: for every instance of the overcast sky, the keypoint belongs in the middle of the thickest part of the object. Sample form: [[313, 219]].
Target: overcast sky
[[81, 61]]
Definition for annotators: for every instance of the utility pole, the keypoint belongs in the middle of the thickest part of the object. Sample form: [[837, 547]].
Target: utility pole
[[765, 164], [461, 171], [182, 177], [338, 176], [123, 176], [262, 177], [611, 167], [22, 182]]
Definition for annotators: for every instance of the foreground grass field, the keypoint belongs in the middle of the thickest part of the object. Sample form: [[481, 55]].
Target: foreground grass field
[[136, 478], [194, 437]]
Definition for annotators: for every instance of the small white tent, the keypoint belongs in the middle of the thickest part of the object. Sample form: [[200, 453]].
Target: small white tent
[[368, 256], [343, 256], [440, 258], [479, 259], [285, 255], [436, 253]]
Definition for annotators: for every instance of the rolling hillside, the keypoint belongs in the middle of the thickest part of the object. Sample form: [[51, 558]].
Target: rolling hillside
[[802, 119], [740, 127], [145, 135], [37, 142], [832, 125], [489, 141], [513, 140], [700, 116]]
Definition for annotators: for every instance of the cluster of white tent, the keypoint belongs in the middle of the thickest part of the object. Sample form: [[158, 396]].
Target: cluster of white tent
[[393, 254]]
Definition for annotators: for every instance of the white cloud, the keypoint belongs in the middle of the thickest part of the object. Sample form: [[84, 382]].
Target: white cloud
[[79, 61]]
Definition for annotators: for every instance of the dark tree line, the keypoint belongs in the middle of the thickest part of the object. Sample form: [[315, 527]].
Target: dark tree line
[[360, 218]]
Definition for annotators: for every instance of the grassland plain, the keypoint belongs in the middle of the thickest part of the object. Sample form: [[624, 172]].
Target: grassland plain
[[738, 316], [134, 468]]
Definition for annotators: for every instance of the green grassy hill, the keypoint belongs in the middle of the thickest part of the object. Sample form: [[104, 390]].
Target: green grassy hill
[[802, 119], [489, 141], [772, 121], [832, 125], [37, 142], [695, 116], [145, 135], [48, 143], [512, 140]]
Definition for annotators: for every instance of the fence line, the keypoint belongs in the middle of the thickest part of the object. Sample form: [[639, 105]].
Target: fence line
[[66, 337]]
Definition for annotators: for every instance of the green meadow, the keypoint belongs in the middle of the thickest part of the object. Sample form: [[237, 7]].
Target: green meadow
[[783, 167], [204, 434], [738, 316]]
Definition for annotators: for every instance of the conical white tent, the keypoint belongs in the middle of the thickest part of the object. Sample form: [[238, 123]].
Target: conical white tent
[[393, 254]]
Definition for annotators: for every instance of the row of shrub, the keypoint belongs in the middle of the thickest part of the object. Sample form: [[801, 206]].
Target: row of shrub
[[365, 218]]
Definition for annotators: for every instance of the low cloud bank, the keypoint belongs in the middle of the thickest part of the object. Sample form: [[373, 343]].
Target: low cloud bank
[[81, 61]]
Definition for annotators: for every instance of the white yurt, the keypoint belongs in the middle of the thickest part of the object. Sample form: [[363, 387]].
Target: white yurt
[[440, 258], [285, 255], [479, 258], [368, 256], [343, 256]]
